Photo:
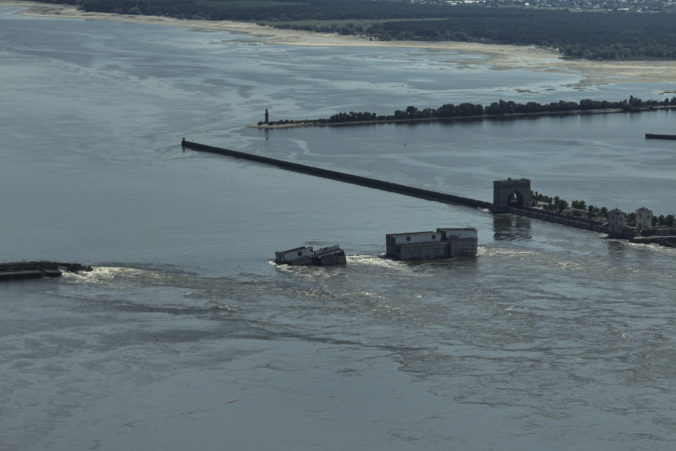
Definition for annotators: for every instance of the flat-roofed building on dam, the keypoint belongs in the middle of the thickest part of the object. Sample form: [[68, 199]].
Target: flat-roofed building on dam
[[463, 242], [444, 243]]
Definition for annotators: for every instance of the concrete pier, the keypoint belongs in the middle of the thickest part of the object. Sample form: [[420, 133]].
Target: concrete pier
[[503, 190], [343, 177], [659, 136]]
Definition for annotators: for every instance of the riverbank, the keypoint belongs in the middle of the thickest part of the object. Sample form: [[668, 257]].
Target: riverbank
[[495, 117], [496, 57]]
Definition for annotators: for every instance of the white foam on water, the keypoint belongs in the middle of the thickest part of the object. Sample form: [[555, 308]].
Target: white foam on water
[[376, 261], [106, 274]]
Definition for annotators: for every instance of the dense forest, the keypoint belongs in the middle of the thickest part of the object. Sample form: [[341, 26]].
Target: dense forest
[[590, 35]]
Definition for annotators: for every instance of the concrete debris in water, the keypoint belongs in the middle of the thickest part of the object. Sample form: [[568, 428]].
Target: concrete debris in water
[[306, 256], [38, 269]]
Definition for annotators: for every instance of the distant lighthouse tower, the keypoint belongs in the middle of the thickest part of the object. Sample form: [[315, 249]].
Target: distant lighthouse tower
[[267, 116]]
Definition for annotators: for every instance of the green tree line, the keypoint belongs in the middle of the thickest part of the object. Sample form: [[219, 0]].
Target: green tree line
[[580, 209], [591, 35], [499, 108]]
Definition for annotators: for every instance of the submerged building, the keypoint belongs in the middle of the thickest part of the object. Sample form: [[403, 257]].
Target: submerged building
[[464, 242], [307, 256], [443, 243]]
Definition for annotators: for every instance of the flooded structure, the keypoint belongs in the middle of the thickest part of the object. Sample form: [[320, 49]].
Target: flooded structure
[[443, 243], [296, 256], [416, 246], [463, 241], [648, 233], [307, 256], [38, 269], [513, 193], [616, 223]]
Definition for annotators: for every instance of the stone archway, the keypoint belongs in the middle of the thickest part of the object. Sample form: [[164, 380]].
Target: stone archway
[[511, 194], [515, 200]]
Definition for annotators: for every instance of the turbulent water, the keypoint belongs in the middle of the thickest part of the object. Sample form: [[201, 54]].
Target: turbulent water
[[186, 336]]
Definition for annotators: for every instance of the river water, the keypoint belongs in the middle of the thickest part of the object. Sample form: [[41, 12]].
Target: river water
[[185, 336]]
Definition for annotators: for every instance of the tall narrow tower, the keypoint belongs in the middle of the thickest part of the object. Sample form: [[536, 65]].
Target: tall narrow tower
[[615, 223]]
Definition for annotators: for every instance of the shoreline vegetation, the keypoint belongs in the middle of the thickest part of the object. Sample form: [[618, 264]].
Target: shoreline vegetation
[[500, 110], [580, 209], [591, 35], [492, 56], [662, 230]]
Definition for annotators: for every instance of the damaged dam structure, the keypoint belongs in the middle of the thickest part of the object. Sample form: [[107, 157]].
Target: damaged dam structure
[[307, 256], [38, 269], [511, 196], [342, 176], [444, 243]]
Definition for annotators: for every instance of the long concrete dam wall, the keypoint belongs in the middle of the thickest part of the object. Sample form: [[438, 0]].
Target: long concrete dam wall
[[343, 177], [404, 189]]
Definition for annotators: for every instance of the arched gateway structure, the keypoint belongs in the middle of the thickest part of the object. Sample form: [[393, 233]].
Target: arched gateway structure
[[511, 193]]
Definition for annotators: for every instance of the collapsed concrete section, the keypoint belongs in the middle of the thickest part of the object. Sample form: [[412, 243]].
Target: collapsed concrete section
[[306, 256], [38, 269]]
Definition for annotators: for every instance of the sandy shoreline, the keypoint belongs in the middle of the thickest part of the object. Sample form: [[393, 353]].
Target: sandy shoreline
[[497, 57]]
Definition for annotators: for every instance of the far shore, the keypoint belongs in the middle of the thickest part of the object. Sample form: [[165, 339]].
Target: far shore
[[491, 117], [496, 57]]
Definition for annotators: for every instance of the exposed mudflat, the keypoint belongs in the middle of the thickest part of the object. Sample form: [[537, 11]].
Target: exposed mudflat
[[500, 57]]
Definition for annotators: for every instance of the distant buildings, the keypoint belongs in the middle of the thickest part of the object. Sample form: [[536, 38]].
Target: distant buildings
[[616, 222], [643, 223], [584, 5], [644, 219]]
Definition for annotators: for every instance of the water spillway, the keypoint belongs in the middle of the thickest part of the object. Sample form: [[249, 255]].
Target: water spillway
[[343, 177]]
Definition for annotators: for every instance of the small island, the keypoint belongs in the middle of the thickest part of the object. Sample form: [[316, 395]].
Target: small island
[[469, 111]]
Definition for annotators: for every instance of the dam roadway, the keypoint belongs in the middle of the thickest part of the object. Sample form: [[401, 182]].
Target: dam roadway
[[401, 189], [343, 177]]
